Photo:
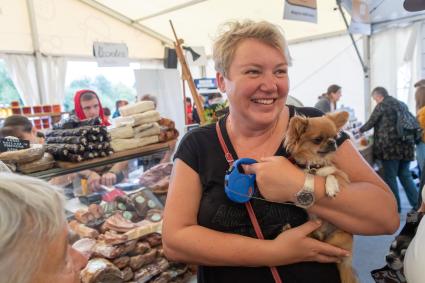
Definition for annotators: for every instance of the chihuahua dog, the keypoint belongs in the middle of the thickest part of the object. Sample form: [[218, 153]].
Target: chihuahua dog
[[311, 143]]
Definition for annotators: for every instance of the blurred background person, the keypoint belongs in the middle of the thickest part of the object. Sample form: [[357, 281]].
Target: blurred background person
[[34, 234], [107, 113], [327, 101], [118, 105], [189, 111], [420, 147], [20, 127], [87, 105], [394, 153]]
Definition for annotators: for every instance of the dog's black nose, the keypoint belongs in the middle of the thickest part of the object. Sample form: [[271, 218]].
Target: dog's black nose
[[331, 142], [389, 259]]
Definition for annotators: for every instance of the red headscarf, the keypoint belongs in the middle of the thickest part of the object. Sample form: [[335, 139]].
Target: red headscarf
[[79, 110]]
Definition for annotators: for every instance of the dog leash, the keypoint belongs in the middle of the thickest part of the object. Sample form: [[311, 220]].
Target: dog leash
[[248, 205]]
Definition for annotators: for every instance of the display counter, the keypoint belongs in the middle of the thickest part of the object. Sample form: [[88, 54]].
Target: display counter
[[69, 167]]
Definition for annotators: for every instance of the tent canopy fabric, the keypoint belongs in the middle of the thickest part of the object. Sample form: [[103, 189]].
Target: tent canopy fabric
[[69, 27]]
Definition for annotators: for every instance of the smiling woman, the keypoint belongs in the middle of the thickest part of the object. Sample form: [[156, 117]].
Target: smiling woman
[[34, 243], [203, 226]]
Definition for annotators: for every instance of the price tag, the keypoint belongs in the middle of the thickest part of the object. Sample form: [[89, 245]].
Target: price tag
[[10, 144]]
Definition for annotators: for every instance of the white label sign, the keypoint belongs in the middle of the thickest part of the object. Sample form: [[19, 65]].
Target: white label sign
[[111, 54], [300, 10]]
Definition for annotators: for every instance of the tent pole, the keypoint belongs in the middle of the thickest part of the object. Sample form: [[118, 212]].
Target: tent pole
[[366, 82], [338, 2], [37, 52]]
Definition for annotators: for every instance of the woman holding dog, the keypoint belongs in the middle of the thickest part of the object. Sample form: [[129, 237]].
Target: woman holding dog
[[203, 226]]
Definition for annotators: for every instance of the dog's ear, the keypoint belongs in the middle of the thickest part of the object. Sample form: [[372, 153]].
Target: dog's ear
[[339, 118], [297, 126]]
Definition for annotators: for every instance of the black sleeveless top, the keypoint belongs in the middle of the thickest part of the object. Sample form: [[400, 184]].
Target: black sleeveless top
[[200, 149]]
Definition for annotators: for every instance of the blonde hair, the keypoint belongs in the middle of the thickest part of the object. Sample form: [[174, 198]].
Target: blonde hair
[[31, 216], [420, 97], [232, 34]]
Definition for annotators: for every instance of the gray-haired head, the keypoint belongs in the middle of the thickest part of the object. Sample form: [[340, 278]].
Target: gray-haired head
[[31, 216]]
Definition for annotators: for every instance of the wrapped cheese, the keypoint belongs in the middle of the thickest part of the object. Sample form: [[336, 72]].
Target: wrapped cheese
[[100, 270], [125, 144], [147, 117], [138, 107], [123, 121], [152, 131], [143, 127], [122, 132]]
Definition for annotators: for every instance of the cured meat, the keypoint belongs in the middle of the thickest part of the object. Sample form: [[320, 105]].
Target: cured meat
[[167, 135], [121, 262], [101, 270], [44, 163], [82, 230], [141, 248], [96, 210], [139, 260], [154, 239], [127, 274], [68, 132], [85, 246], [118, 223], [68, 139], [113, 238], [148, 272], [101, 249], [167, 123], [73, 122], [33, 153], [84, 216], [55, 148], [138, 107], [151, 177]]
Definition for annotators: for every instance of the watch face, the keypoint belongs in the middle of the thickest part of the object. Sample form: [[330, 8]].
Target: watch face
[[305, 198]]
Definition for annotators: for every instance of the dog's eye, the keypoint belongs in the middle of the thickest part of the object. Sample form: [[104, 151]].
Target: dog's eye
[[317, 140]]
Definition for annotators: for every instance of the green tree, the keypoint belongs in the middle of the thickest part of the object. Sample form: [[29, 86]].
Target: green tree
[[108, 92], [8, 91]]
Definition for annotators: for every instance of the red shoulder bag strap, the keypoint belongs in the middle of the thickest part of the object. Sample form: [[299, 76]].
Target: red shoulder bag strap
[[248, 205]]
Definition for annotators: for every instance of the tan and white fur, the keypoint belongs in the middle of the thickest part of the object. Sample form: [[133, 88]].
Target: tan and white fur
[[311, 142]]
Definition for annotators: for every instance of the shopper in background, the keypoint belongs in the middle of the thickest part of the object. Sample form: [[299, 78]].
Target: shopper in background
[[420, 147], [394, 153], [87, 106], [118, 105], [189, 111], [327, 101], [20, 127], [203, 226], [107, 113], [34, 235]]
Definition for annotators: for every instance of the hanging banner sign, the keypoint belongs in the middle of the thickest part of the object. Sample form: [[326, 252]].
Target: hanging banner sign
[[360, 20], [111, 54], [300, 10]]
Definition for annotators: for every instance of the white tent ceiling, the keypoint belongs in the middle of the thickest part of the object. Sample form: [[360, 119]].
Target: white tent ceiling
[[69, 27]]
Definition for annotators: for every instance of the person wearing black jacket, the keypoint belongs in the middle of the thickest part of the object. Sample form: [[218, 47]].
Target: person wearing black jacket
[[394, 152]]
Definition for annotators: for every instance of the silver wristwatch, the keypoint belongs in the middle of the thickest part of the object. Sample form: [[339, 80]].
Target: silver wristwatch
[[305, 197]]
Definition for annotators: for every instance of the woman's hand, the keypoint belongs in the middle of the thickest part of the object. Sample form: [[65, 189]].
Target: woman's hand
[[93, 181], [295, 245], [277, 178], [108, 179]]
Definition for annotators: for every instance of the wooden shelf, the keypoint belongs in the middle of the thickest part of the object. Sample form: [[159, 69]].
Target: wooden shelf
[[71, 167], [45, 114]]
